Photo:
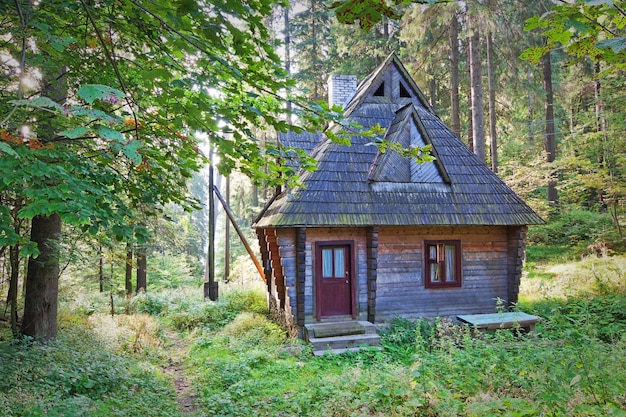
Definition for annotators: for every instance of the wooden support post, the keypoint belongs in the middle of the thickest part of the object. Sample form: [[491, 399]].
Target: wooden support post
[[230, 215], [227, 236], [210, 286], [300, 274]]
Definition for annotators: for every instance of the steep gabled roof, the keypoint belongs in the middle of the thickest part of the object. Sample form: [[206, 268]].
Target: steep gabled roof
[[359, 186]]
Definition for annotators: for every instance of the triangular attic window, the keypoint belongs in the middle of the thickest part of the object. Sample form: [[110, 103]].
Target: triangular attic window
[[380, 91], [404, 92]]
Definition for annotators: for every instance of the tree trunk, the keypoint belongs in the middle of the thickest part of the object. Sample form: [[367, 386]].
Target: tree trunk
[[491, 80], [470, 117], [101, 270], [476, 72], [531, 109], [600, 116], [455, 120], [142, 264], [14, 261], [128, 278], [287, 25], [42, 282], [550, 143], [433, 92]]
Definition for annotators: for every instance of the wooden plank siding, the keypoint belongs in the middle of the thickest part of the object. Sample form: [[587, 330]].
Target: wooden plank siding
[[389, 270], [401, 289]]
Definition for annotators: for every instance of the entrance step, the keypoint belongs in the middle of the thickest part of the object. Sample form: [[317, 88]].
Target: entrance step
[[341, 336]]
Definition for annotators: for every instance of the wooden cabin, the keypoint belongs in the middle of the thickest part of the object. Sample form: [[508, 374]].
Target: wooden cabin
[[374, 235]]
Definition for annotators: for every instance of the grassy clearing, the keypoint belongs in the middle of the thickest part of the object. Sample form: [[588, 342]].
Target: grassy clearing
[[563, 279], [79, 375], [426, 368]]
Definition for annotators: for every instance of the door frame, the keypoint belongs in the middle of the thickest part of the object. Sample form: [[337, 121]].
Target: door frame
[[318, 274]]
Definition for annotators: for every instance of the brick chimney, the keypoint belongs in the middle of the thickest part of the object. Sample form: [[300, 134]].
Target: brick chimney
[[341, 88]]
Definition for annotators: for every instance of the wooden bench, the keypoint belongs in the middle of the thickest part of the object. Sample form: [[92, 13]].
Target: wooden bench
[[496, 321]]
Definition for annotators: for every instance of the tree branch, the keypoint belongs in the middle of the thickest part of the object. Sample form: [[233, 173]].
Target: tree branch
[[118, 75]]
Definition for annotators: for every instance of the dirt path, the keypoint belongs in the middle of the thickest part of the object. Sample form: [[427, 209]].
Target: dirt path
[[176, 351]]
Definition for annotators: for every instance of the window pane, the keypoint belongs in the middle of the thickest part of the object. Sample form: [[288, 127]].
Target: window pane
[[450, 263], [327, 263], [432, 251], [435, 272], [339, 263]]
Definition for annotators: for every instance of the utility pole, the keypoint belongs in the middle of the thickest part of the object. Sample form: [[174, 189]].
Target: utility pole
[[210, 286]]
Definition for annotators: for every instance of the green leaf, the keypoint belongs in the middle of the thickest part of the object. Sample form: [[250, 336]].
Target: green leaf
[[616, 44], [4, 148], [74, 133], [131, 151], [107, 133], [30, 249], [93, 92], [40, 102], [60, 43]]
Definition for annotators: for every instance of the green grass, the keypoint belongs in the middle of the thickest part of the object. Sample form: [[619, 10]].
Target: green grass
[[79, 375], [563, 279], [241, 363], [428, 368]]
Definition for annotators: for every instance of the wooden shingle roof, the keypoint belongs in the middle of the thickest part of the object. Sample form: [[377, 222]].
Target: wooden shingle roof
[[359, 186]]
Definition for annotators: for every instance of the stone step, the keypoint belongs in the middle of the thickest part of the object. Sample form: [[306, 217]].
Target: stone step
[[338, 337]]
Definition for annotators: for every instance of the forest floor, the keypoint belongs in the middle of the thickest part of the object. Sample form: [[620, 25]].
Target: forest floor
[[176, 350]]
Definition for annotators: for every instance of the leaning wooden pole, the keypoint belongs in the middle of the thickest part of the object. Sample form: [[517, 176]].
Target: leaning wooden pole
[[230, 215]]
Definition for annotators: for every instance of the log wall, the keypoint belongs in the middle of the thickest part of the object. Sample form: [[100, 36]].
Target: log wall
[[400, 286], [389, 270]]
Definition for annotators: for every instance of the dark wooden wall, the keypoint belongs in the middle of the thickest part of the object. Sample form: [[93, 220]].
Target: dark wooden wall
[[492, 259], [400, 283]]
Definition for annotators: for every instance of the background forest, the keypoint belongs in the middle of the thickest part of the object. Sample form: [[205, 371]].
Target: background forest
[[549, 122], [128, 173]]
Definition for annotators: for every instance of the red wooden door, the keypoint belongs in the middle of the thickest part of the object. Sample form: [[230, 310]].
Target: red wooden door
[[334, 280]]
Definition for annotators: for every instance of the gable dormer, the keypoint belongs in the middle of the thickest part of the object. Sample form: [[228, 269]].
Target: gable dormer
[[390, 167], [390, 83]]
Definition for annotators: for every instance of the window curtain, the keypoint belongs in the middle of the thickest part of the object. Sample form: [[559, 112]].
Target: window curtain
[[450, 258], [327, 263], [339, 263]]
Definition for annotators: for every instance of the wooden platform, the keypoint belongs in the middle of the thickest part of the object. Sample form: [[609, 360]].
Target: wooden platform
[[496, 321]]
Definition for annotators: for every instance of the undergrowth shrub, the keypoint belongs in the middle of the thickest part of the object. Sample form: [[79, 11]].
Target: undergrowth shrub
[[136, 333], [582, 318], [216, 314], [77, 375], [149, 303], [575, 229], [403, 337], [252, 329]]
